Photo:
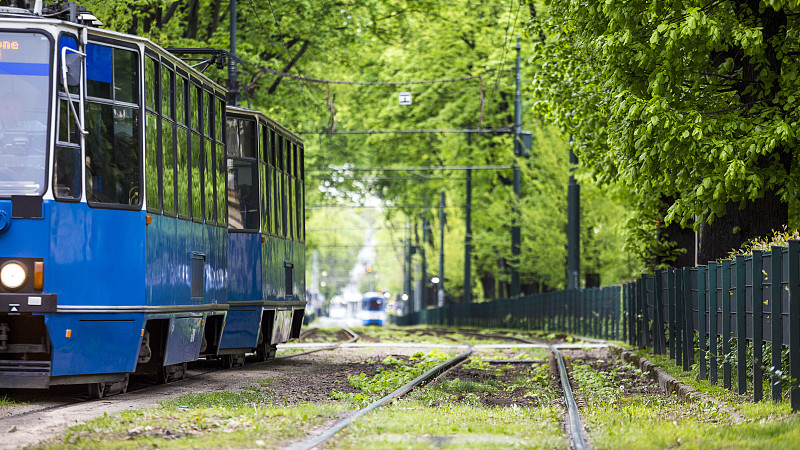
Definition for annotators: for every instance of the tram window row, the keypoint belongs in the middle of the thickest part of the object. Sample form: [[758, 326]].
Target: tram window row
[[265, 179], [257, 186]]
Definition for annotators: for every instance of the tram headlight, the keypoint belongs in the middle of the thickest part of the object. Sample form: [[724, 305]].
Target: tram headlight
[[13, 275]]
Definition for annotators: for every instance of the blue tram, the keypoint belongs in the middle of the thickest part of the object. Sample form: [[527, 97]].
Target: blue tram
[[373, 309], [143, 224]]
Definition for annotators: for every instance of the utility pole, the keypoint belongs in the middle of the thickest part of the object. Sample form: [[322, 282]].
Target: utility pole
[[442, 221], [468, 232], [233, 69], [515, 224], [573, 225], [417, 267], [426, 228]]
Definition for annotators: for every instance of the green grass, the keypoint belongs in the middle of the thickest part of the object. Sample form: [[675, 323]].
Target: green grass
[[729, 398], [618, 421], [395, 375], [449, 415], [6, 401], [247, 419], [409, 424]]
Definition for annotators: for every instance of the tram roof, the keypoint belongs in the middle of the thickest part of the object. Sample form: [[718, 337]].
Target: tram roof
[[24, 16]]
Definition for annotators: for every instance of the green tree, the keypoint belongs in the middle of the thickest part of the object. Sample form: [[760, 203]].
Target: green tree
[[400, 40], [689, 106]]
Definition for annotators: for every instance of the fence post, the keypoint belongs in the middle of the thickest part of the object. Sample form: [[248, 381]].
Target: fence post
[[701, 319], [628, 305], [658, 325], [688, 323], [712, 321], [679, 294], [741, 326], [794, 320], [595, 312], [776, 317], [607, 312], [671, 323], [727, 298], [758, 324]]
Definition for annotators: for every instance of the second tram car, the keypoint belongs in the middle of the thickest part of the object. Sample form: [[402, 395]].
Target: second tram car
[[373, 309], [143, 224]]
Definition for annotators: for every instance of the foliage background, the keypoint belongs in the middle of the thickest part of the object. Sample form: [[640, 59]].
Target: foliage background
[[404, 40]]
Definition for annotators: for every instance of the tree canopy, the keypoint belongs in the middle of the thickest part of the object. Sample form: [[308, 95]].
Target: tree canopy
[[690, 106], [403, 41]]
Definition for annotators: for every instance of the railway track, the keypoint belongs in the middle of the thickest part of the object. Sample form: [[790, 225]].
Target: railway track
[[573, 425], [20, 423]]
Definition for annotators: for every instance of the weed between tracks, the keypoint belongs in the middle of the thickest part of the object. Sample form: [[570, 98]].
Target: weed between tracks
[[623, 412], [477, 406]]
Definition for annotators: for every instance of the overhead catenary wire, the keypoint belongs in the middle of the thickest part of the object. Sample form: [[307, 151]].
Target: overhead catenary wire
[[410, 168], [416, 131]]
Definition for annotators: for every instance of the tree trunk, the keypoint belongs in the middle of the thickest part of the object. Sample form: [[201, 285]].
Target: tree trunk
[[684, 238], [759, 218], [488, 283]]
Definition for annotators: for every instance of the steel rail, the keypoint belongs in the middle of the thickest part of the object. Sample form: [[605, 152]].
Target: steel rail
[[575, 426], [354, 338], [339, 426]]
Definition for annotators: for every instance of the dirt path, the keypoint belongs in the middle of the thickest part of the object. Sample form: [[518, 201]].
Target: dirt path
[[308, 378]]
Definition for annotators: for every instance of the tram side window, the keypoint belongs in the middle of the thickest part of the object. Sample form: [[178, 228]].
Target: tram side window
[[208, 180], [208, 153], [67, 169], [151, 135], [113, 165], [182, 150], [289, 189], [167, 141], [196, 156], [242, 189], [298, 198], [280, 219], [301, 164], [266, 202], [217, 112]]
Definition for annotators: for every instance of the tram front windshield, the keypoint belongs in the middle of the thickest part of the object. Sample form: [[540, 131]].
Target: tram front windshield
[[24, 100], [372, 304]]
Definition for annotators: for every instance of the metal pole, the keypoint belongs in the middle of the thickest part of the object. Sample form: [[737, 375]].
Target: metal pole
[[468, 241], [573, 225], [407, 264], [426, 228], [442, 221], [515, 227], [233, 70], [418, 287]]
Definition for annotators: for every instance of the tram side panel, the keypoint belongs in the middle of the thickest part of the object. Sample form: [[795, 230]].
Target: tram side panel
[[96, 268]]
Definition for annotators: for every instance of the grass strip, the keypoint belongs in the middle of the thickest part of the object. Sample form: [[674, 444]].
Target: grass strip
[[247, 419], [452, 414], [615, 419]]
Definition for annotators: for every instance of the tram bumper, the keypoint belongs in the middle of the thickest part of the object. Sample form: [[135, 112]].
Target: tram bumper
[[28, 303], [25, 349]]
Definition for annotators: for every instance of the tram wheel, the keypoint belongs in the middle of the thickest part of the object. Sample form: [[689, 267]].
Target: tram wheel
[[96, 390]]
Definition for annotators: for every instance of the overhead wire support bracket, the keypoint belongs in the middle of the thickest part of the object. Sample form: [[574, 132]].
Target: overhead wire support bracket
[[216, 56]]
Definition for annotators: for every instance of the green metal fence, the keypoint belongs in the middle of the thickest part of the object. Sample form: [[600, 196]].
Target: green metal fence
[[735, 315]]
